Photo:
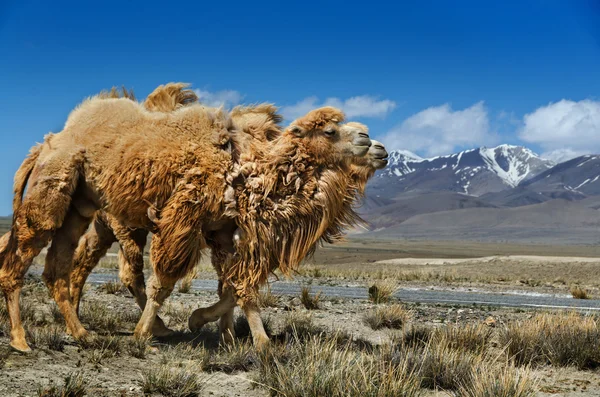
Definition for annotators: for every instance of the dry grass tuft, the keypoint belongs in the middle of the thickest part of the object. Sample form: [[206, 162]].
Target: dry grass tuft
[[102, 347], [172, 381], [239, 356], [187, 354], [321, 367], [382, 291], [50, 337], [98, 317], [563, 339], [74, 386], [112, 287], [507, 381], [580, 293], [177, 313], [473, 338], [394, 316], [441, 366], [300, 326], [267, 299], [137, 347], [310, 302]]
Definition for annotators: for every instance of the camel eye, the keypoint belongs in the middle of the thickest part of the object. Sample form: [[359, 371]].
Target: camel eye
[[296, 130], [330, 132]]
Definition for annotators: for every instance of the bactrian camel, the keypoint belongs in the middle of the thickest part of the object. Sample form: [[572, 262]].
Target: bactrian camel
[[177, 174], [259, 123], [100, 238]]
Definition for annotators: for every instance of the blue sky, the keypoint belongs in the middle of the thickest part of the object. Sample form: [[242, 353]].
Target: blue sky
[[427, 76]]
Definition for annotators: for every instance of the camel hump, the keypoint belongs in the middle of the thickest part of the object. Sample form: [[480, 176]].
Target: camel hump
[[170, 97]]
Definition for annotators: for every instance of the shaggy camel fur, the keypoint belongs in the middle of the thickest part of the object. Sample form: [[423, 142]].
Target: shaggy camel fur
[[260, 122], [176, 174], [331, 229], [254, 121]]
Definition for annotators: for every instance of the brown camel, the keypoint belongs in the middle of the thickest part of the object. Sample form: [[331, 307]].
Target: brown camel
[[172, 173], [100, 238], [260, 122], [255, 121], [331, 230]]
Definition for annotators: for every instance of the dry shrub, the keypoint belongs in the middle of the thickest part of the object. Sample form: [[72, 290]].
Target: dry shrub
[[382, 291], [136, 347], [177, 313], [473, 338], [321, 367], [102, 347], [74, 386], [506, 381], [559, 339], [172, 381], [239, 356], [300, 326], [394, 316], [470, 337], [579, 293], [184, 353], [50, 337], [100, 318], [266, 298], [310, 302], [112, 287]]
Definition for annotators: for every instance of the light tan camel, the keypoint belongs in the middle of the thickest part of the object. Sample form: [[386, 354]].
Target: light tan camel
[[176, 174], [331, 229], [260, 122], [255, 121]]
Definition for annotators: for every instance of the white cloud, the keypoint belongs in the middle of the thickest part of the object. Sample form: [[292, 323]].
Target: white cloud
[[441, 130], [560, 155], [358, 106], [564, 129], [226, 98]]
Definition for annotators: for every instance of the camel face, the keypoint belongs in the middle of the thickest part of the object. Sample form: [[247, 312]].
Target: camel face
[[377, 156], [328, 143]]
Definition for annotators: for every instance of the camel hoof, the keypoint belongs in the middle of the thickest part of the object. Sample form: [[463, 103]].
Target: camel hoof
[[196, 320], [160, 330], [261, 343], [20, 347]]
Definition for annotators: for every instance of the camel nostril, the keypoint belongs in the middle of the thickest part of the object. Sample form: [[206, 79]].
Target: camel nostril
[[376, 146], [363, 135]]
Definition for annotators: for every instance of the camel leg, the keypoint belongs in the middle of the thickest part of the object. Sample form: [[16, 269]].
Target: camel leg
[[59, 262], [158, 290], [226, 321], [92, 247], [205, 315], [259, 336], [131, 271], [15, 259]]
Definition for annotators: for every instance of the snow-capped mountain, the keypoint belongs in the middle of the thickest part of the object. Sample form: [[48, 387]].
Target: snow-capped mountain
[[580, 175], [473, 172]]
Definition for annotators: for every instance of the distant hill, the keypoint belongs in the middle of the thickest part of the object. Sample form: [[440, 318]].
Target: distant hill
[[502, 193], [553, 222]]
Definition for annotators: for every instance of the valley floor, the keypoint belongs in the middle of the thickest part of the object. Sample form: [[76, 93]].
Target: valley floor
[[114, 364]]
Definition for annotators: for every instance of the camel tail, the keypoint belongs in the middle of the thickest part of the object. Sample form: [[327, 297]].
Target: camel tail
[[22, 176]]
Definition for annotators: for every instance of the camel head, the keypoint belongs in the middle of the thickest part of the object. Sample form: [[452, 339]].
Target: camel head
[[320, 133], [376, 157]]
